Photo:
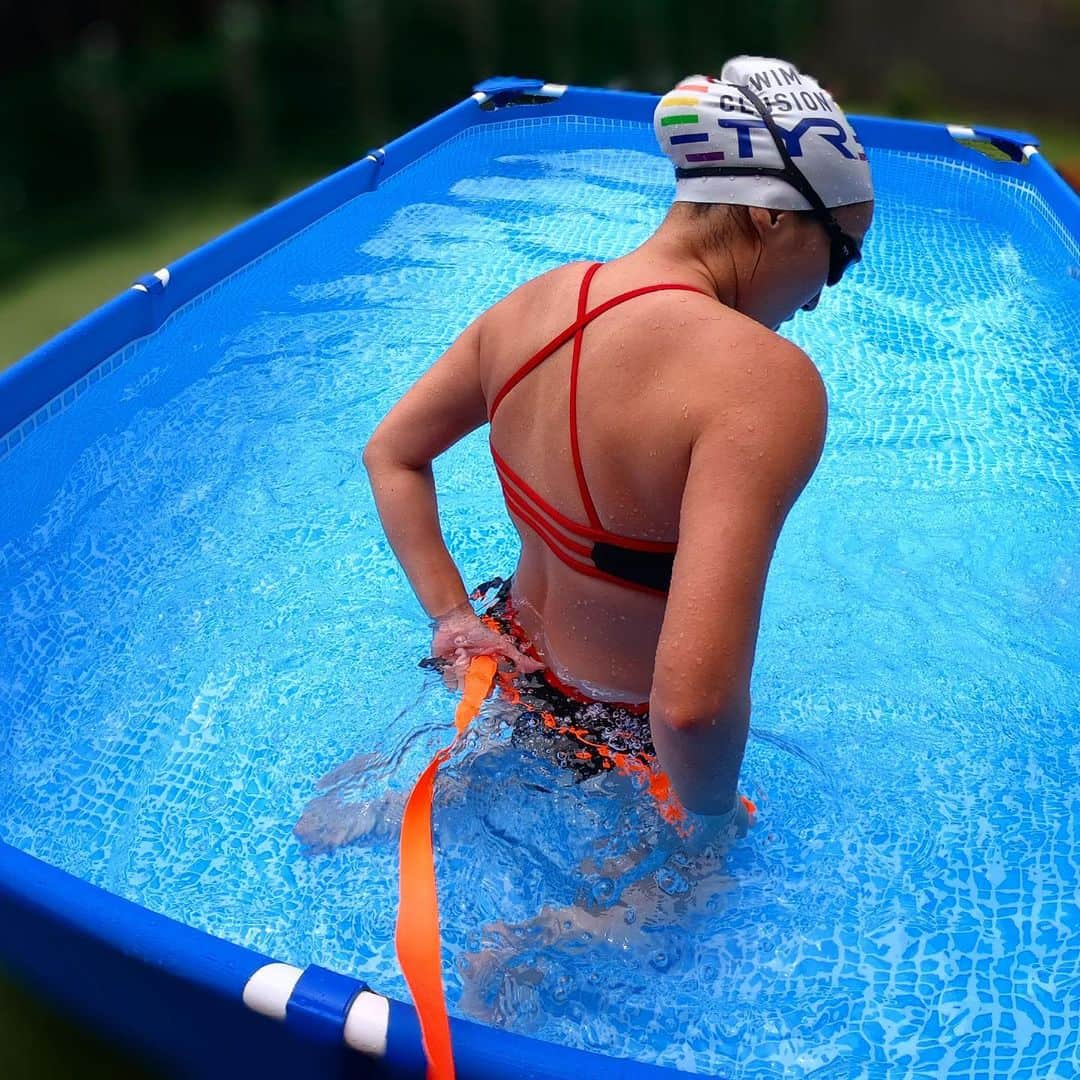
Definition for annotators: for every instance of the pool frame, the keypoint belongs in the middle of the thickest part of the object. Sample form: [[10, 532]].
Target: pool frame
[[184, 998]]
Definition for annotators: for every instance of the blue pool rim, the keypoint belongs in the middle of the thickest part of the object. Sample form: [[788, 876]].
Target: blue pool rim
[[175, 993]]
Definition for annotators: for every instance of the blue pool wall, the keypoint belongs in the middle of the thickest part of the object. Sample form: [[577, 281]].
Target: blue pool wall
[[175, 993]]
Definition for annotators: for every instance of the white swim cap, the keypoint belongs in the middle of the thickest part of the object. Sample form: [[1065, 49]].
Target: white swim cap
[[725, 135]]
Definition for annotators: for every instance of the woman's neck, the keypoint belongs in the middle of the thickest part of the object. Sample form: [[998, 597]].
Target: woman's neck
[[676, 253]]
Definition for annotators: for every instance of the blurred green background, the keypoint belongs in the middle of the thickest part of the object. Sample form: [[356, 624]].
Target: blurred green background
[[132, 133]]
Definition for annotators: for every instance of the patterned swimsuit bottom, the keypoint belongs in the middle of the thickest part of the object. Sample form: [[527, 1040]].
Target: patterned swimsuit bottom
[[561, 725]]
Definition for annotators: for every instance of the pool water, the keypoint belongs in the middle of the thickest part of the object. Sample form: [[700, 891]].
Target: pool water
[[199, 618]]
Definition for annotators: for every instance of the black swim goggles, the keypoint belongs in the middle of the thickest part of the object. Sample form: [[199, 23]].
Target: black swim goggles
[[844, 249]]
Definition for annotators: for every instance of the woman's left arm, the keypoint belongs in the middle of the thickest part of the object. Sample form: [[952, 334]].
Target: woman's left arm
[[442, 407]]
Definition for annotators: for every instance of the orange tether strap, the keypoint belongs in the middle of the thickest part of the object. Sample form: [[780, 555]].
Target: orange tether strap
[[417, 936]]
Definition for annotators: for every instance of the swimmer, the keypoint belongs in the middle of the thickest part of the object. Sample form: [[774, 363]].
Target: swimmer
[[651, 430]]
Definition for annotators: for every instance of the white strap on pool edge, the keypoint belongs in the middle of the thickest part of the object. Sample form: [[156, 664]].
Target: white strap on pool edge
[[268, 991], [960, 131], [162, 275], [367, 1023], [550, 90]]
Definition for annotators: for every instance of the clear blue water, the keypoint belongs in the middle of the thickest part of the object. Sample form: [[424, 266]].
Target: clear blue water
[[199, 618]]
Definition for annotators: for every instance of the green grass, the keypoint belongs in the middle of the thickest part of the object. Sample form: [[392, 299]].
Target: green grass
[[36, 1042], [56, 294]]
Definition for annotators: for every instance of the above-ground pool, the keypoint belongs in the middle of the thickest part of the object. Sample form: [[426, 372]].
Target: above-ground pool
[[200, 618]]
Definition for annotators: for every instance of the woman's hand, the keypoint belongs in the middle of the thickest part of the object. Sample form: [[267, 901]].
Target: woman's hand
[[460, 635]]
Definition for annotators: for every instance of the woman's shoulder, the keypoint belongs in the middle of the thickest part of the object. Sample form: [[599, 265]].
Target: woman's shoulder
[[719, 366], [546, 302], [733, 348], [568, 274]]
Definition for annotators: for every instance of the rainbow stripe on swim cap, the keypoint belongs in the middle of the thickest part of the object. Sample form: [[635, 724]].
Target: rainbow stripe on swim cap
[[709, 123]]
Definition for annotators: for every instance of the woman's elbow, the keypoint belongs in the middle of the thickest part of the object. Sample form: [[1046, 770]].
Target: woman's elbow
[[386, 453], [374, 453], [702, 716], [700, 746]]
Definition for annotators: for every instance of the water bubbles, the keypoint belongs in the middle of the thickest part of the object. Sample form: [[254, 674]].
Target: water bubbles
[[602, 892], [670, 881], [618, 742]]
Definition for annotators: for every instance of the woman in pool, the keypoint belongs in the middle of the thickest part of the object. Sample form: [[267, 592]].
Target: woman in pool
[[651, 431]]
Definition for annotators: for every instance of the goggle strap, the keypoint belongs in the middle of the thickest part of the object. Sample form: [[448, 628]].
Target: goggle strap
[[792, 171]]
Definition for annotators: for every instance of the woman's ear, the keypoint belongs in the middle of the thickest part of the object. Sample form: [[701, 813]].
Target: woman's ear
[[772, 225], [766, 221], [763, 221]]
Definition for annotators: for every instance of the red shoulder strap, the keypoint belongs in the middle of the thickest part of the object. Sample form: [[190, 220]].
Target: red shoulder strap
[[575, 450], [553, 345], [577, 325]]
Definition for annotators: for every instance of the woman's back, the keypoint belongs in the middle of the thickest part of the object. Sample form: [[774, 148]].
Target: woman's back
[[641, 377]]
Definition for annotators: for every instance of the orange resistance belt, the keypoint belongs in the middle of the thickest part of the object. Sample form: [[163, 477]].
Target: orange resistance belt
[[417, 937]]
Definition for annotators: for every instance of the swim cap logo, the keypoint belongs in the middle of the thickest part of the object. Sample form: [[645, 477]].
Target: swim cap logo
[[835, 135]]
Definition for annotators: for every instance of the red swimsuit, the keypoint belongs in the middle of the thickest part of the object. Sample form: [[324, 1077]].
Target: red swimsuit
[[644, 565]]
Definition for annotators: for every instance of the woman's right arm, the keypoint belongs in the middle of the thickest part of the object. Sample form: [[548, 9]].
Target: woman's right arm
[[751, 457]]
